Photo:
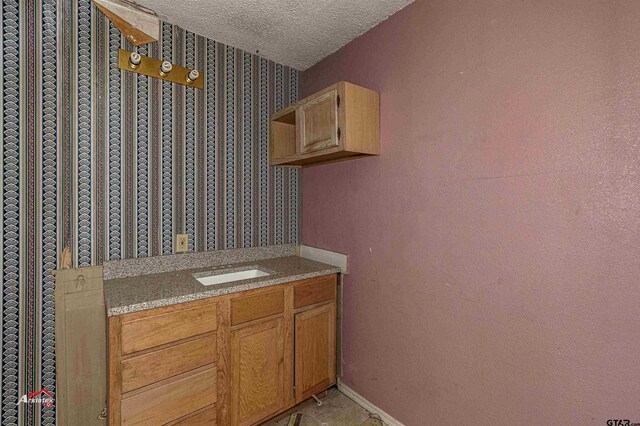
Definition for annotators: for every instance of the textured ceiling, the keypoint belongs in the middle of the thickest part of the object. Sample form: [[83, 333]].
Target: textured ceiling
[[297, 33]]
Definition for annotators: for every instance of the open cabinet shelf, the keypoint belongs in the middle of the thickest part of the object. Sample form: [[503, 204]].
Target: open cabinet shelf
[[341, 122], [283, 130]]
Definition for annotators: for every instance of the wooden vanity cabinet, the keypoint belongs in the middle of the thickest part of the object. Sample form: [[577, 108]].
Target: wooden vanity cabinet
[[257, 378], [315, 350], [257, 382], [162, 364], [315, 336], [238, 359], [338, 123]]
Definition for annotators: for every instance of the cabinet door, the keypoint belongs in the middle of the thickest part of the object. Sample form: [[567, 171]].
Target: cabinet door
[[315, 350], [319, 123], [257, 365]]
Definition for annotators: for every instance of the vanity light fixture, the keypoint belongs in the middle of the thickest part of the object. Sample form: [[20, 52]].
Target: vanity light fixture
[[165, 68], [158, 68], [192, 76], [134, 60]]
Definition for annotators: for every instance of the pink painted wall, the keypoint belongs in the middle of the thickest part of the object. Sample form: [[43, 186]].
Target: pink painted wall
[[494, 246]]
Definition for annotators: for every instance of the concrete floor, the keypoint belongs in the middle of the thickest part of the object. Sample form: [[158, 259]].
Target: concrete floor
[[337, 410]]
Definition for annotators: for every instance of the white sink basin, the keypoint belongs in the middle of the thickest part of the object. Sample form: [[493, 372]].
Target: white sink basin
[[232, 276]]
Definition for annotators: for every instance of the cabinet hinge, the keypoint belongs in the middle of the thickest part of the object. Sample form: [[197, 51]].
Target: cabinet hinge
[[338, 101], [338, 132]]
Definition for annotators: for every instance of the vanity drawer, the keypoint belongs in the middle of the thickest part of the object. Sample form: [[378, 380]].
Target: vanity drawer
[[208, 417], [166, 325], [316, 290], [171, 400], [160, 364], [250, 308]]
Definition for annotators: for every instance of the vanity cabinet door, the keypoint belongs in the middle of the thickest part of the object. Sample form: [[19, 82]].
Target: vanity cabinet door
[[257, 371], [315, 350], [319, 123]]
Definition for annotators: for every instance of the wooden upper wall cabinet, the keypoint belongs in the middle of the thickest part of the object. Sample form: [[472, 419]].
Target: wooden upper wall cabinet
[[318, 124], [338, 123]]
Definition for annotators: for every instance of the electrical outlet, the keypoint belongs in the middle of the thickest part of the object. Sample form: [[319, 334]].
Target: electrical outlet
[[182, 243]]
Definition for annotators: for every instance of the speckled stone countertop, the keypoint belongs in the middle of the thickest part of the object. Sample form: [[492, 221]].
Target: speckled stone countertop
[[136, 293], [204, 259]]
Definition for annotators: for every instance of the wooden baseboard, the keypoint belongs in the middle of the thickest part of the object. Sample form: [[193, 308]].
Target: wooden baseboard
[[356, 397]]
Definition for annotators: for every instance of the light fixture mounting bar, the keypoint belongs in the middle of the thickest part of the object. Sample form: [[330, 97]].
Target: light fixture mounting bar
[[151, 67]]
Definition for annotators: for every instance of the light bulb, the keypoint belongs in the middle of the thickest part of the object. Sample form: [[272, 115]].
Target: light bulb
[[134, 60], [165, 68], [193, 76]]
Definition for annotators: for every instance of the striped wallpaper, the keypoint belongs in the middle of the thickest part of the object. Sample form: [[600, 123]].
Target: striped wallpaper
[[113, 165]]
